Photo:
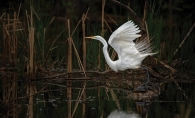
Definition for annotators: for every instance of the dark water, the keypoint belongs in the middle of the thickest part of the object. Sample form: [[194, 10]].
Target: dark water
[[95, 98]]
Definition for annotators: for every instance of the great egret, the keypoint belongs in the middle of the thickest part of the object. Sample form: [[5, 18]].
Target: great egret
[[130, 54]]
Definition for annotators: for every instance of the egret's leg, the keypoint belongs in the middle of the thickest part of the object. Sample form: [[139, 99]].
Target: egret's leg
[[148, 79], [148, 85], [144, 86]]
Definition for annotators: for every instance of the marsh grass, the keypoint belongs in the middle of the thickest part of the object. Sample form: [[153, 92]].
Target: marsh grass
[[39, 46]]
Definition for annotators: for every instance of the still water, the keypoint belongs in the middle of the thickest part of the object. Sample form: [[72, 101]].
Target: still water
[[95, 97]]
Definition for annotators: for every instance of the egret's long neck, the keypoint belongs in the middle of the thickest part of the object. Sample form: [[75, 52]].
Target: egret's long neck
[[111, 63]]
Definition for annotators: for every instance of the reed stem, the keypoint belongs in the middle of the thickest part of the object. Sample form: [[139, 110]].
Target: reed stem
[[69, 69]]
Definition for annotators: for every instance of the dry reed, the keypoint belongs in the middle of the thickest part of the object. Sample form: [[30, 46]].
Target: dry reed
[[69, 69]]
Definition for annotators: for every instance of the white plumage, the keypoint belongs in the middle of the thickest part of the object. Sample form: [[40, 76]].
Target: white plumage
[[130, 54], [122, 114]]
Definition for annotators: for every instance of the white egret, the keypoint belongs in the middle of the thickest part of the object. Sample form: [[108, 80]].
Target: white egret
[[130, 54]]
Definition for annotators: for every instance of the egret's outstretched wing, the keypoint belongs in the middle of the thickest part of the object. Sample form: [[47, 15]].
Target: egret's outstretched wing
[[122, 39], [130, 54]]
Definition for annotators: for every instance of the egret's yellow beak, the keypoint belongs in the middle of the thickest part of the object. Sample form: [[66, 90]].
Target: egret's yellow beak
[[89, 37]]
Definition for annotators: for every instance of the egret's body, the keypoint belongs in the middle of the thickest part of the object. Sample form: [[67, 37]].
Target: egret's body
[[130, 54]]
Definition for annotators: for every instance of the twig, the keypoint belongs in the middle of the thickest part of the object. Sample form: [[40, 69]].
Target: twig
[[133, 14], [167, 66], [184, 38], [147, 33], [52, 46], [2, 15], [110, 18]]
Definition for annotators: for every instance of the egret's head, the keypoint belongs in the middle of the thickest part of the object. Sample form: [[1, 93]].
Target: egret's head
[[99, 38], [94, 37]]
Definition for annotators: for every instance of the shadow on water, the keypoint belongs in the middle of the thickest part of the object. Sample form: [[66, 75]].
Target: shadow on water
[[95, 97]]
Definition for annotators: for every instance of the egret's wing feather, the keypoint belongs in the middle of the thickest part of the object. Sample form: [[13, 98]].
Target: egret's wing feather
[[144, 47], [122, 38], [130, 54]]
